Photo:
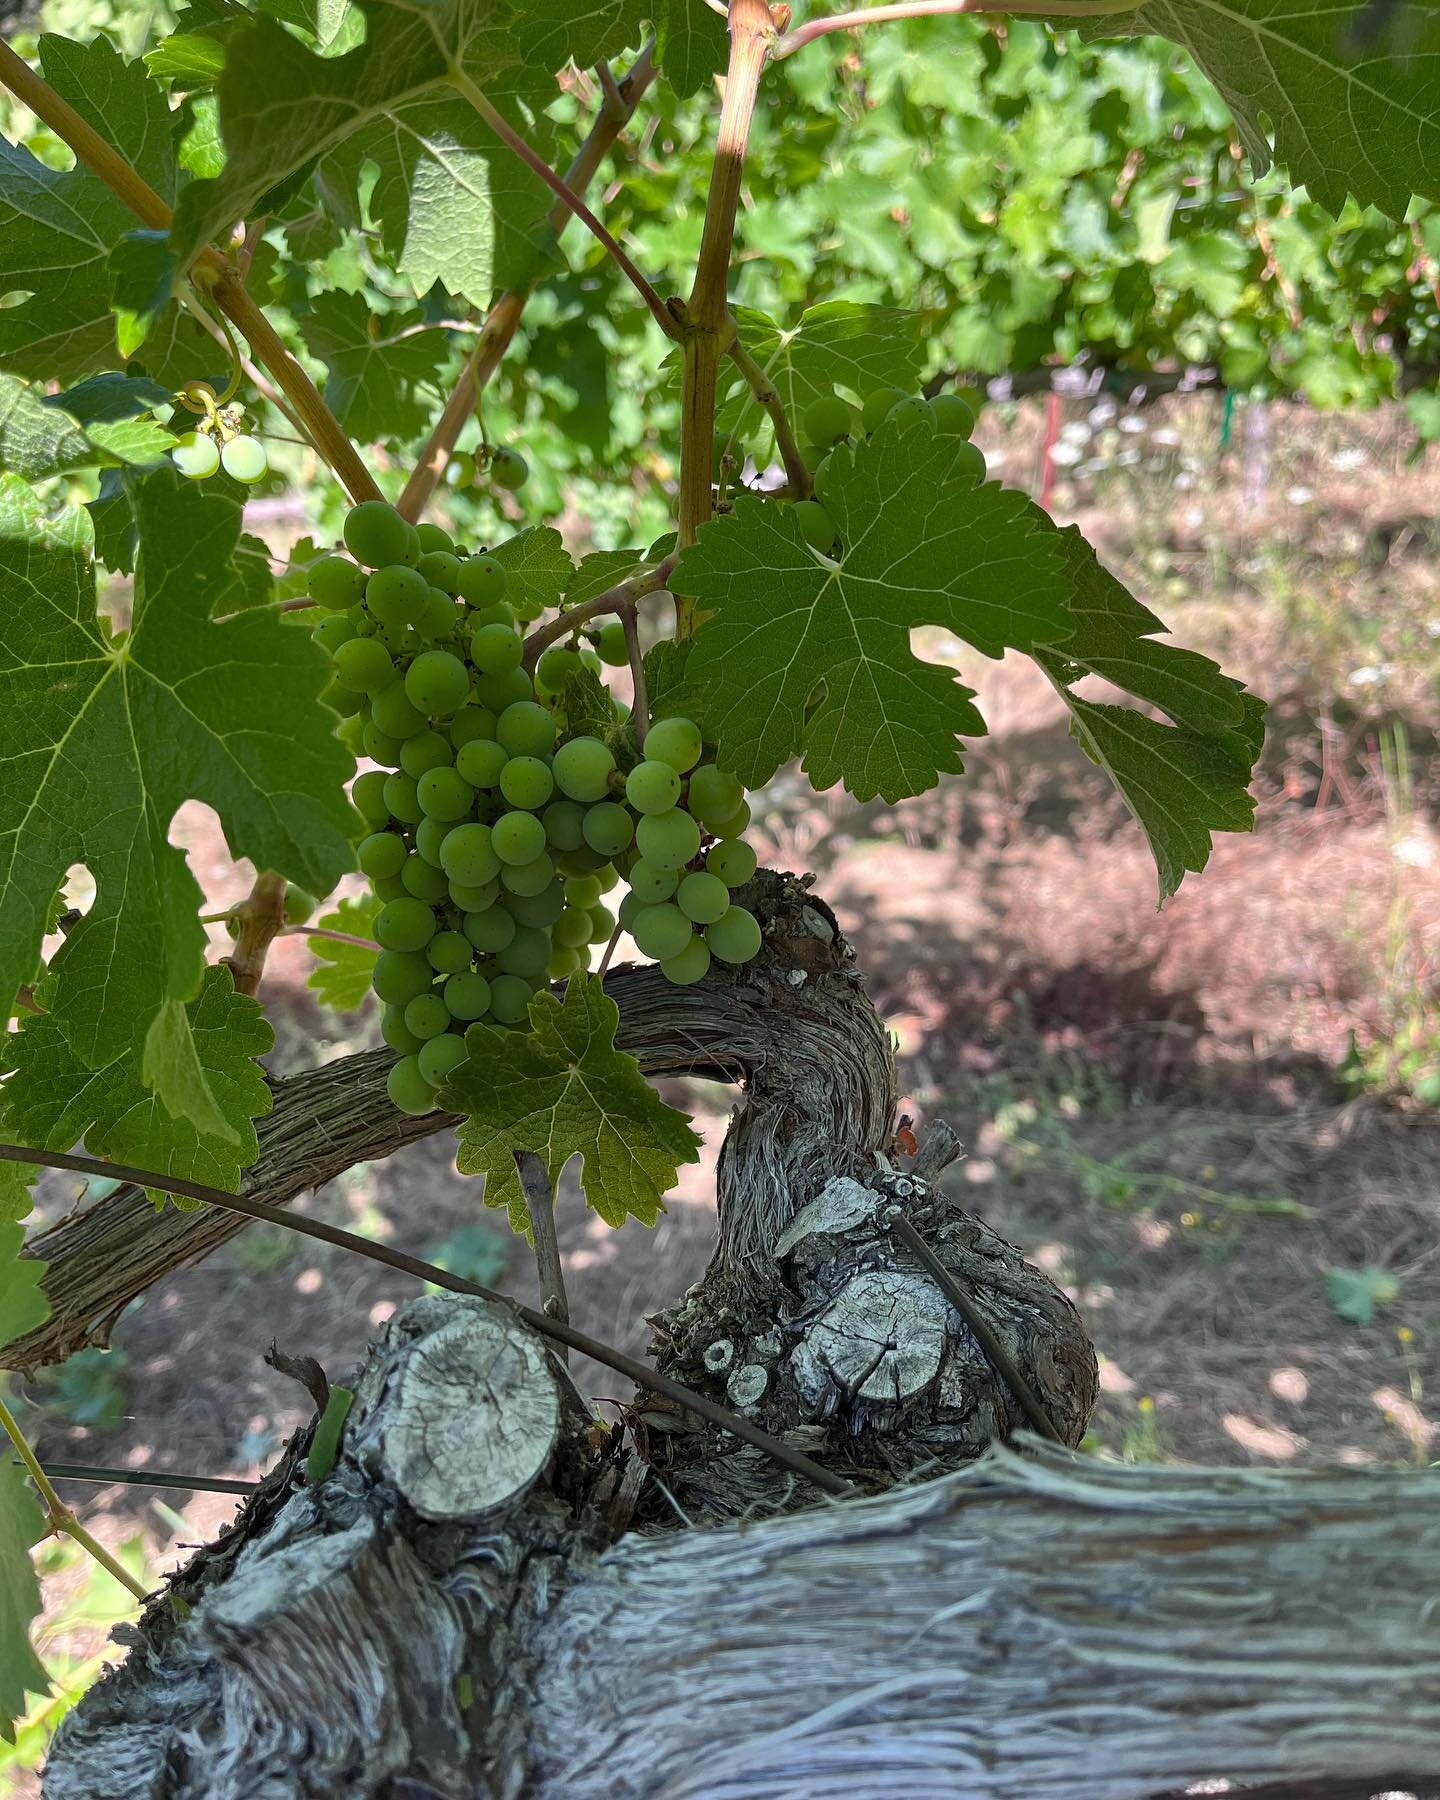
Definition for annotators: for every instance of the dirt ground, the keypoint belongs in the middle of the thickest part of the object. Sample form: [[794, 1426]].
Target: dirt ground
[[1151, 1101]]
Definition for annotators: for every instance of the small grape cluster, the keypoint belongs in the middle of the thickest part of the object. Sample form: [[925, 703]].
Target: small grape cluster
[[493, 834], [219, 441]]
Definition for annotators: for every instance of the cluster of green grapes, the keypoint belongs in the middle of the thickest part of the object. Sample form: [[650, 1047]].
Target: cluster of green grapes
[[503, 466], [493, 835]]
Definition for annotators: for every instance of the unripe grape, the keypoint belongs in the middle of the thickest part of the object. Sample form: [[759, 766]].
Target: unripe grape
[[393, 713], [441, 617], [491, 930], [703, 898], [448, 952], [714, 794], [468, 855], [611, 644], [969, 463], [341, 699], [481, 581], [367, 796], [517, 837], [555, 667], [408, 1089], [509, 999], [396, 1033], [351, 733], [583, 891], [375, 534], [582, 769], [602, 923], [669, 839], [467, 995], [498, 613], [426, 750], [244, 459], [541, 909], [440, 567], [430, 835], [906, 412], [481, 762], [953, 416], [495, 649], [529, 879], [433, 537], [460, 470], [564, 822], [406, 924], [650, 787], [565, 961], [397, 595], [526, 729], [629, 906], [676, 742], [399, 975], [403, 799], [364, 665], [606, 876], [526, 782], [735, 936], [572, 928], [335, 583], [471, 898], [425, 881], [816, 526], [878, 406], [445, 794], [589, 660], [381, 854], [583, 861], [508, 469], [526, 954], [333, 630], [196, 456], [652, 884], [437, 683], [735, 826], [660, 931], [608, 828], [427, 1015], [500, 691], [690, 965], [440, 1056], [732, 860], [828, 419], [387, 888]]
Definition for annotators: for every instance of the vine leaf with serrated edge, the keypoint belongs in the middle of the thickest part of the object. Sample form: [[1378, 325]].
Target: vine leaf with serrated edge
[[371, 380], [102, 422], [537, 568], [22, 1525], [175, 708], [564, 1090], [806, 656], [342, 972]]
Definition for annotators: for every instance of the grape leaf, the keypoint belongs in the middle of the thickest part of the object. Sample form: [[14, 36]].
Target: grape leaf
[[341, 976], [1184, 780], [50, 434], [36, 439], [371, 379], [690, 39], [690, 42], [103, 735], [837, 344], [23, 1304], [57, 228], [803, 654], [564, 1090], [1350, 110], [54, 1101], [672, 693], [600, 570], [115, 412], [22, 1524], [537, 569]]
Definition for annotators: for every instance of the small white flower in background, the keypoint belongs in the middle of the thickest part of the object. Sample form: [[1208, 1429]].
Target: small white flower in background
[[1127, 459], [994, 459], [1194, 515], [1067, 455], [1432, 628], [1133, 423], [1352, 457], [1166, 436], [1371, 675], [1075, 431], [1299, 495], [1184, 481], [1102, 412], [1414, 850]]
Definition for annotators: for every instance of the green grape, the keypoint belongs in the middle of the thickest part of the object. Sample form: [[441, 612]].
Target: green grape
[[497, 614], [953, 416], [824, 470], [335, 583], [393, 713], [528, 879], [375, 534], [564, 822], [614, 650], [408, 1089], [342, 700], [380, 747], [244, 459], [816, 526], [589, 660], [445, 794], [490, 931], [437, 683], [733, 861], [525, 781], [481, 581], [441, 569], [602, 923], [583, 861], [381, 854], [526, 954], [449, 952], [676, 742], [364, 665], [526, 729], [470, 724], [467, 995], [572, 928], [406, 924], [878, 405], [508, 469], [467, 855], [735, 936], [481, 762], [583, 891], [828, 419], [441, 617], [714, 794], [351, 733], [396, 596], [196, 456], [471, 898], [403, 800], [907, 411], [396, 1033], [426, 750], [425, 881], [555, 667], [399, 975], [660, 931], [496, 649], [440, 1056], [607, 876], [460, 470], [669, 839], [430, 834], [735, 826], [387, 888], [517, 837], [434, 537], [629, 906], [543, 908], [703, 898], [500, 691], [652, 884], [367, 796], [427, 1016], [969, 463], [333, 630], [690, 965], [651, 787], [565, 961], [609, 828], [582, 769], [509, 999]]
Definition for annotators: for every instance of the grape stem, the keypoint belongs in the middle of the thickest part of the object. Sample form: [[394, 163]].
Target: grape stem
[[640, 698], [556, 1330], [540, 1204], [798, 476], [621, 598], [335, 937], [926, 9], [604, 968], [220, 280], [261, 919]]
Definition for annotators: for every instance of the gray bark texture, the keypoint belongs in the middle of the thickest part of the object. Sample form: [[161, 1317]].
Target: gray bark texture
[[493, 1593]]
